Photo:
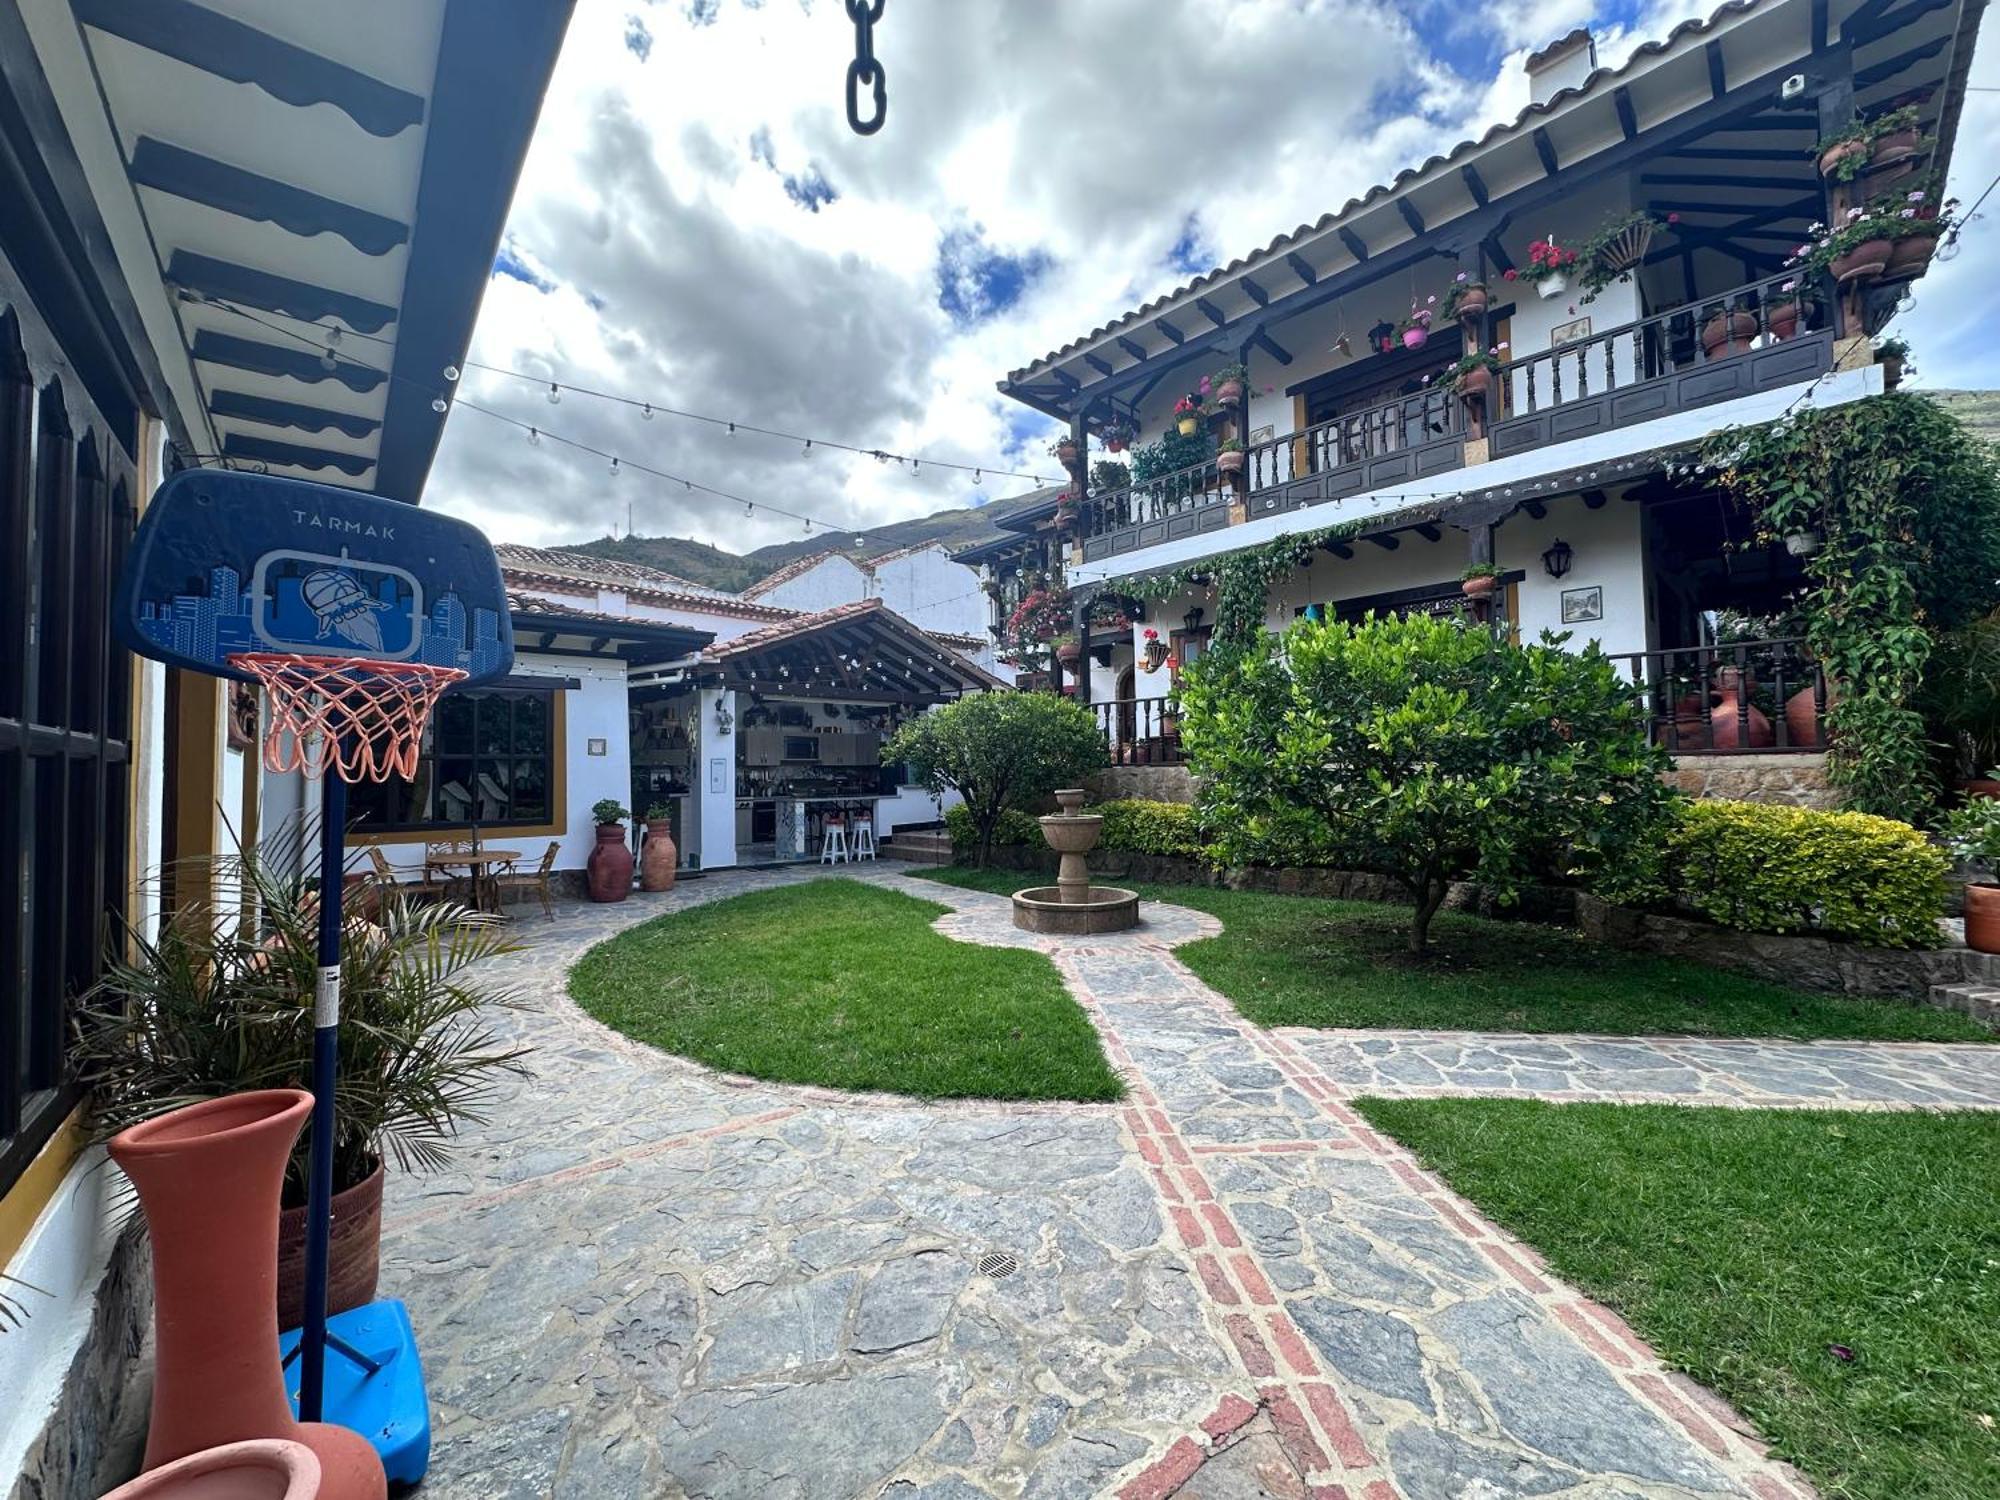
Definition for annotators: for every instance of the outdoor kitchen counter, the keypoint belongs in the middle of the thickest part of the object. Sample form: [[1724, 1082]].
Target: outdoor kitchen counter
[[793, 820]]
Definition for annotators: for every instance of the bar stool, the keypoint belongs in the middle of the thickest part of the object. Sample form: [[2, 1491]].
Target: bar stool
[[833, 841], [864, 838]]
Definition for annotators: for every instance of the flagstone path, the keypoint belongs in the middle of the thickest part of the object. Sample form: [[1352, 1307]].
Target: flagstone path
[[645, 1279]]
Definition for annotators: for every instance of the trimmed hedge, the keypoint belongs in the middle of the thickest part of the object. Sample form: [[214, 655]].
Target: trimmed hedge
[[1013, 828], [1765, 868], [1137, 826]]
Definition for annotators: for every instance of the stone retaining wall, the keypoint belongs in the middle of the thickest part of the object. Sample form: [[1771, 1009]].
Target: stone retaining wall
[[1150, 783], [1794, 779]]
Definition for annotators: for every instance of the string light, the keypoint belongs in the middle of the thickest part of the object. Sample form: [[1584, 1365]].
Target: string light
[[614, 468], [555, 394], [438, 405], [646, 413], [534, 438], [451, 373]]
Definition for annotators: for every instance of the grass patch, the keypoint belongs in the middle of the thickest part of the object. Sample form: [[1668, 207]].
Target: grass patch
[[840, 983], [1301, 961], [1751, 1247]]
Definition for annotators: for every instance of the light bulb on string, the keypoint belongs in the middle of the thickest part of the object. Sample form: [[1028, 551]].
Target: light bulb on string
[[646, 412], [534, 438], [438, 405], [555, 394], [976, 479], [614, 468], [451, 373]]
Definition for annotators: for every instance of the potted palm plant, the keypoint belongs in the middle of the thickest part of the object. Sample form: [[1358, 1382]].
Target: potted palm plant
[[215, 1006], [1972, 834]]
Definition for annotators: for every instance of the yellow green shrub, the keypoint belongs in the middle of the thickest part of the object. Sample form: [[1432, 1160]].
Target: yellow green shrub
[[1766, 868], [1138, 826]]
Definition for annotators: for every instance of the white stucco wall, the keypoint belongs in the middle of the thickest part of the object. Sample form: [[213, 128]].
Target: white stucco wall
[[932, 592], [834, 579]]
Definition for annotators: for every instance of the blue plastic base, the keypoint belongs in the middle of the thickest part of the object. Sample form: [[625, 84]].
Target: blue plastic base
[[388, 1405]]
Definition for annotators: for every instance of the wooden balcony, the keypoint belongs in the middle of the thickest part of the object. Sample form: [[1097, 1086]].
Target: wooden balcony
[[1753, 338]]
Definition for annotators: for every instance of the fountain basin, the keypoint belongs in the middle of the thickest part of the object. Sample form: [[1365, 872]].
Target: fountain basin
[[1104, 908]]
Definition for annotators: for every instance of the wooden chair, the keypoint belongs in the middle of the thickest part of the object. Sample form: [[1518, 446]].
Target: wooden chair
[[535, 880]]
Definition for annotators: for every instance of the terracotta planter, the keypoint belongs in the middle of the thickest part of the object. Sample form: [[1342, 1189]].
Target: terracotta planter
[[1415, 338], [1230, 463], [1892, 371], [1689, 725], [1475, 383], [1802, 725], [1728, 333], [354, 1256], [1471, 305], [1066, 455], [610, 864], [1979, 786], [1749, 730], [1068, 653], [261, 1469], [1782, 319], [1897, 145], [658, 858], [208, 1178], [1909, 255], [1833, 156], [1869, 258], [1187, 425], [1229, 392], [1479, 588], [1982, 918]]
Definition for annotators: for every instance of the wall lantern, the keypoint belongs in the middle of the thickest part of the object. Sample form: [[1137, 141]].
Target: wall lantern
[[1557, 559], [1192, 619], [725, 718]]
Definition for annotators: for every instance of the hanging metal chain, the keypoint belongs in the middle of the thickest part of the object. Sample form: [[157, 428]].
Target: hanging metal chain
[[865, 72]]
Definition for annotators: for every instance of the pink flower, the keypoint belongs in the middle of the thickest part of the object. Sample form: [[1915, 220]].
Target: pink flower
[[1916, 197], [1790, 286], [1673, 218], [1908, 213], [1503, 343], [1461, 276], [1429, 300]]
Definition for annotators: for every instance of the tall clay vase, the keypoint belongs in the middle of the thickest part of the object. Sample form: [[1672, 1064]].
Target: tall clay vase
[[261, 1469], [609, 867], [208, 1177], [658, 857], [1982, 918]]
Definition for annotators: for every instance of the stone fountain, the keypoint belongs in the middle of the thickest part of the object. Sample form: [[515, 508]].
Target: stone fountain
[[1073, 905]]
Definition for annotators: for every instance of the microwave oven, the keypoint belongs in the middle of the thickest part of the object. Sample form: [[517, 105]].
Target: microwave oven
[[801, 747]]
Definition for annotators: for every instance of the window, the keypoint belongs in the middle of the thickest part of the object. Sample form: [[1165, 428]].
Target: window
[[489, 757], [64, 519]]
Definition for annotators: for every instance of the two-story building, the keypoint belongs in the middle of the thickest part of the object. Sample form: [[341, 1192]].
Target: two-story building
[[1306, 390]]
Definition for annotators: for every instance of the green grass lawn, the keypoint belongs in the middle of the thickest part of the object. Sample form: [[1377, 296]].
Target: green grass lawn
[[845, 984], [1835, 1276], [1299, 961]]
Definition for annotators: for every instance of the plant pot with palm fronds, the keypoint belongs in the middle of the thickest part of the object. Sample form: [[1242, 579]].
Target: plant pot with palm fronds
[[212, 1007]]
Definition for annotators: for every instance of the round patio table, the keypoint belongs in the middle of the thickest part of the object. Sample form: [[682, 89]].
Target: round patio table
[[483, 866]]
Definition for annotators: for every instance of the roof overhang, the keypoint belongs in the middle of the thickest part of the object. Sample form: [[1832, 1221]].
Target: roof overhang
[[541, 627], [263, 180], [863, 652], [1707, 77]]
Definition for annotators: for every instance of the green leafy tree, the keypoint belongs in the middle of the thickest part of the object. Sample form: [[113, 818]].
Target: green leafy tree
[[1000, 750], [1427, 750]]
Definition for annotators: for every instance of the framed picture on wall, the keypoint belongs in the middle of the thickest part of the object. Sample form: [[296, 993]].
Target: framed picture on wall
[[1263, 434], [1581, 606], [1573, 332]]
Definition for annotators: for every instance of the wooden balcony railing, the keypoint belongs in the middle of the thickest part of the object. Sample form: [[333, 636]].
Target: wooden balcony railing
[[1140, 731], [1749, 698]]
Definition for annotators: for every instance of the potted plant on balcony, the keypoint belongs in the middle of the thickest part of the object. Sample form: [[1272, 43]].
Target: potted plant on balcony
[[1727, 329], [1068, 650], [1066, 511], [1472, 377], [1187, 415], [1893, 355], [1479, 581], [1063, 451], [1972, 834], [211, 1007], [1415, 330], [1118, 435], [1917, 222], [1782, 311], [1857, 249], [1894, 137], [1154, 655], [1549, 265], [1843, 156], [1229, 460], [1227, 384], [1465, 299], [1617, 249]]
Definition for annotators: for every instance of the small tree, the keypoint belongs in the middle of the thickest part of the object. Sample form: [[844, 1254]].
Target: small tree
[[1427, 750], [998, 750]]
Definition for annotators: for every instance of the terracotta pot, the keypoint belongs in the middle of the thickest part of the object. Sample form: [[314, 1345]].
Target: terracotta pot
[[1229, 392], [1979, 786], [1869, 258], [1728, 727], [1688, 728], [1188, 425], [1833, 156], [1475, 383], [1897, 145], [1728, 333], [1982, 918], [1415, 338], [1802, 721], [1230, 463], [354, 1256], [208, 1178], [1066, 455], [658, 858], [610, 864], [1782, 319], [1471, 305], [1909, 255], [261, 1469], [1114, 445], [1892, 371], [1479, 588]]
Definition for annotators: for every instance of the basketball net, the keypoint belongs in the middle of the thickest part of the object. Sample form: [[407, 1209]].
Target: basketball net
[[358, 716]]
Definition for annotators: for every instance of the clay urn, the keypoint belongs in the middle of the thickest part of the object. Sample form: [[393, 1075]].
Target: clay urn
[[1475, 383], [1802, 719], [1782, 318], [1728, 333], [208, 1177], [609, 867], [260, 1469], [658, 858], [1229, 393], [1982, 918], [1734, 724], [1479, 586]]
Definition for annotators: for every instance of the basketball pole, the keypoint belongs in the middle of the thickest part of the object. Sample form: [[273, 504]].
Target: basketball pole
[[326, 1064]]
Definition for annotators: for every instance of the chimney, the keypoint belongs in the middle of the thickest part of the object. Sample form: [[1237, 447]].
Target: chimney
[[1563, 64]]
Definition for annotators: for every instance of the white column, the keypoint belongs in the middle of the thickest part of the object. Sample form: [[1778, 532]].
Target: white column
[[714, 794]]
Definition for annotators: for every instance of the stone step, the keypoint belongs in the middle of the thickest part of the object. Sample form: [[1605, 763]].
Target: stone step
[[918, 843], [1979, 1001]]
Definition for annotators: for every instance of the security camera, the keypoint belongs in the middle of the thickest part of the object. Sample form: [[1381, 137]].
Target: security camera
[[1793, 87]]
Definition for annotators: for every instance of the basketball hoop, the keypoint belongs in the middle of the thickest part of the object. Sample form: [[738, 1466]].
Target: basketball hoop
[[359, 715]]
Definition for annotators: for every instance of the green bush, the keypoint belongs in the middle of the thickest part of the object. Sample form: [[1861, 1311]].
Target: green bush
[[1792, 869], [1012, 828], [1137, 826]]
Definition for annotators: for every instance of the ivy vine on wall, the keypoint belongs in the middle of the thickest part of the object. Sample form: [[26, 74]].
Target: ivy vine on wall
[[1905, 505]]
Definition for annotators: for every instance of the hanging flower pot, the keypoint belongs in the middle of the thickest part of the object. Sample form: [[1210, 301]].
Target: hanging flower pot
[[1893, 146], [1909, 255], [1728, 333], [1230, 392], [1155, 655], [1063, 450], [1068, 653], [1416, 338], [1840, 151], [1553, 285], [1187, 424], [1467, 302], [1868, 259]]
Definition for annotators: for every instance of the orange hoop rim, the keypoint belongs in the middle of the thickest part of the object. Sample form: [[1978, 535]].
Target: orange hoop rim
[[361, 717]]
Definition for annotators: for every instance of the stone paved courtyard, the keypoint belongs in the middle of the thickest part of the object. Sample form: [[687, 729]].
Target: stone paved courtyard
[[643, 1279]]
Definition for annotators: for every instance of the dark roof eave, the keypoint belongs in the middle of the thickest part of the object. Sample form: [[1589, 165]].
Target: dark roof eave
[[675, 638]]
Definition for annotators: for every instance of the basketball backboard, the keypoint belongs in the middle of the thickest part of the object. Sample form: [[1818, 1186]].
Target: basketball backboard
[[226, 563]]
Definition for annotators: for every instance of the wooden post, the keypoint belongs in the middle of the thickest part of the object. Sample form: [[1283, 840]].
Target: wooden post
[[1080, 612], [1836, 113]]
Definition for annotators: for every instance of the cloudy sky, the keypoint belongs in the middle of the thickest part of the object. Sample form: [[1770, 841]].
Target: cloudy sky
[[696, 225]]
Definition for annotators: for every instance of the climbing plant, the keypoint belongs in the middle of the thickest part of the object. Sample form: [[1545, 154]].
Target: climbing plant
[[1905, 506]]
